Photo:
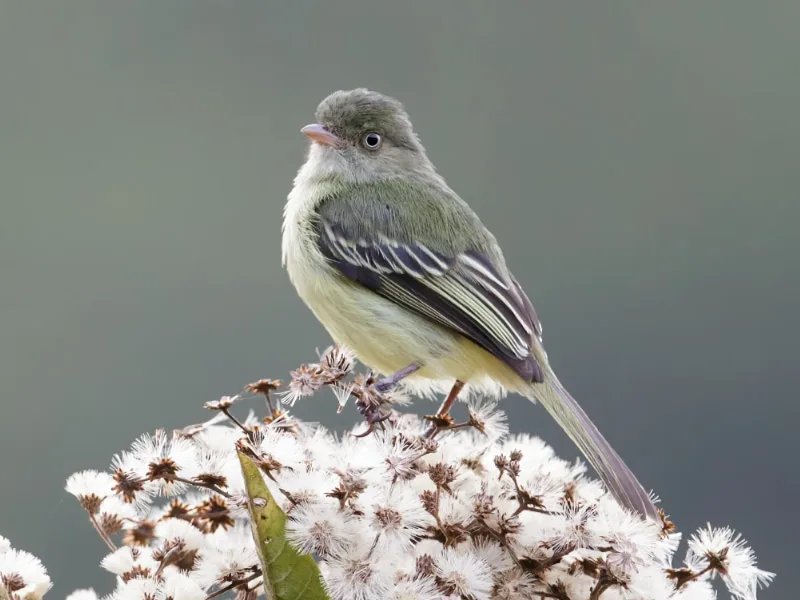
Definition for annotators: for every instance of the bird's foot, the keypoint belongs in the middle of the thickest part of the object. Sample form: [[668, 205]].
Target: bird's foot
[[371, 400], [372, 420], [438, 422], [384, 385]]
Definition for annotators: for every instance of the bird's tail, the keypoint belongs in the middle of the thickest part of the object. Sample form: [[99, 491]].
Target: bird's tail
[[616, 475]]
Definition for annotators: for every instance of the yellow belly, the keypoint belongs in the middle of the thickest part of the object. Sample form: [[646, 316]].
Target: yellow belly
[[387, 338]]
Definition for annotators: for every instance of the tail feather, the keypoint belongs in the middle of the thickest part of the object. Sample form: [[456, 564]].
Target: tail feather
[[616, 475]]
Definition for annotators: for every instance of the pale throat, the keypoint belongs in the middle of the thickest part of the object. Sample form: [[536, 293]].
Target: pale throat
[[312, 183]]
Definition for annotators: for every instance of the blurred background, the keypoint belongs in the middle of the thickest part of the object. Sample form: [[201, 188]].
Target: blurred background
[[638, 162]]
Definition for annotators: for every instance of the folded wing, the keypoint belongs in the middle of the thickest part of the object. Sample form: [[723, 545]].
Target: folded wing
[[463, 291]]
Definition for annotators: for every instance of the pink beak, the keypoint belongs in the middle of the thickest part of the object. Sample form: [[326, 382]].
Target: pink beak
[[320, 135]]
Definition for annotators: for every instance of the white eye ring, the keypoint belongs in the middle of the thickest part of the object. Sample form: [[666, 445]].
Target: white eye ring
[[372, 140]]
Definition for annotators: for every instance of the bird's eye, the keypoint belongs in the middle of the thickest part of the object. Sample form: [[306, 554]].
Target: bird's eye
[[372, 141]]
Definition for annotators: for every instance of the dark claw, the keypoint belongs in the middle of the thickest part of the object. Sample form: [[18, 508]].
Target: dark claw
[[373, 417], [369, 430], [378, 419]]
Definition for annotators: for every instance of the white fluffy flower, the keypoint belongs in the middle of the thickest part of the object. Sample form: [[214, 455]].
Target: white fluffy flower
[[319, 449], [702, 589], [227, 553], [138, 588], [305, 486], [575, 529], [321, 528], [396, 456], [84, 484], [117, 508], [91, 488], [305, 380], [634, 541], [178, 531], [648, 581], [513, 584], [358, 577], [414, 589], [728, 554], [172, 586], [392, 516], [463, 573], [539, 459], [212, 462], [130, 484], [83, 594], [219, 438], [157, 457], [282, 447], [128, 558], [179, 586], [222, 403], [487, 419], [23, 574], [396, 516], [455, 510], [493, 554]]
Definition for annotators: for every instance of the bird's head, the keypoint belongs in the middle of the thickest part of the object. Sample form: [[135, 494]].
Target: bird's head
[[361, 135]]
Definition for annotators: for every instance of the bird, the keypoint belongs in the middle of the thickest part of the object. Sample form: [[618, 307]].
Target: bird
[[399, 269]]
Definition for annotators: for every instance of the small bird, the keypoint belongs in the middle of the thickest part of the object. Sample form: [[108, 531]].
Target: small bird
[[396, 266]]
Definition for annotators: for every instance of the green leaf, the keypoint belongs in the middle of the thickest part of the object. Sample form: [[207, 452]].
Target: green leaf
[[288, 575]]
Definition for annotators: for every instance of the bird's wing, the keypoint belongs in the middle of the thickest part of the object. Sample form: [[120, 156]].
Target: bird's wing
[[464, 291]]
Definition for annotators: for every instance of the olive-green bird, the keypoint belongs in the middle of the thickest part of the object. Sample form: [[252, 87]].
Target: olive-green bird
[[400, 269]]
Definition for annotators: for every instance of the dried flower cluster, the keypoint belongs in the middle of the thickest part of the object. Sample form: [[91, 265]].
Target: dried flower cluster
[[469, 512], [22, 575]]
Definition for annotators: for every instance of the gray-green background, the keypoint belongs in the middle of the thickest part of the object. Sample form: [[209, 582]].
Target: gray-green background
[[638, 162]]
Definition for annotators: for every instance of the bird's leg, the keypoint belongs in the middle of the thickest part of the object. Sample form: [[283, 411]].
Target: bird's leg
[[370, 405], [444, 409], [385, 384], [443, 414]]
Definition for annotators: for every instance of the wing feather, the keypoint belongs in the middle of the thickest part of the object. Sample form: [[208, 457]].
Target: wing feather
[[465, 292]]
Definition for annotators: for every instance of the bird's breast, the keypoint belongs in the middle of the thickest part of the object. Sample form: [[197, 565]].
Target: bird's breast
[[314, 279]]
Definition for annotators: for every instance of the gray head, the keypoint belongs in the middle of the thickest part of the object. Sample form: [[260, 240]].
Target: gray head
[[363, 135]]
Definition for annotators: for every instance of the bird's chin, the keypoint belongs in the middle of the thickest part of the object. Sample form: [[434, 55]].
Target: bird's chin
[[340, 164], [321, 163], [318, 151], [325, 161]]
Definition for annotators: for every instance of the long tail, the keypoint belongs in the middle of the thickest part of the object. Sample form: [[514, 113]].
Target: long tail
[[616, 475]]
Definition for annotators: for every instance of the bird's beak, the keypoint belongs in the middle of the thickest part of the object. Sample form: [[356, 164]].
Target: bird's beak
[[319, 134]]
